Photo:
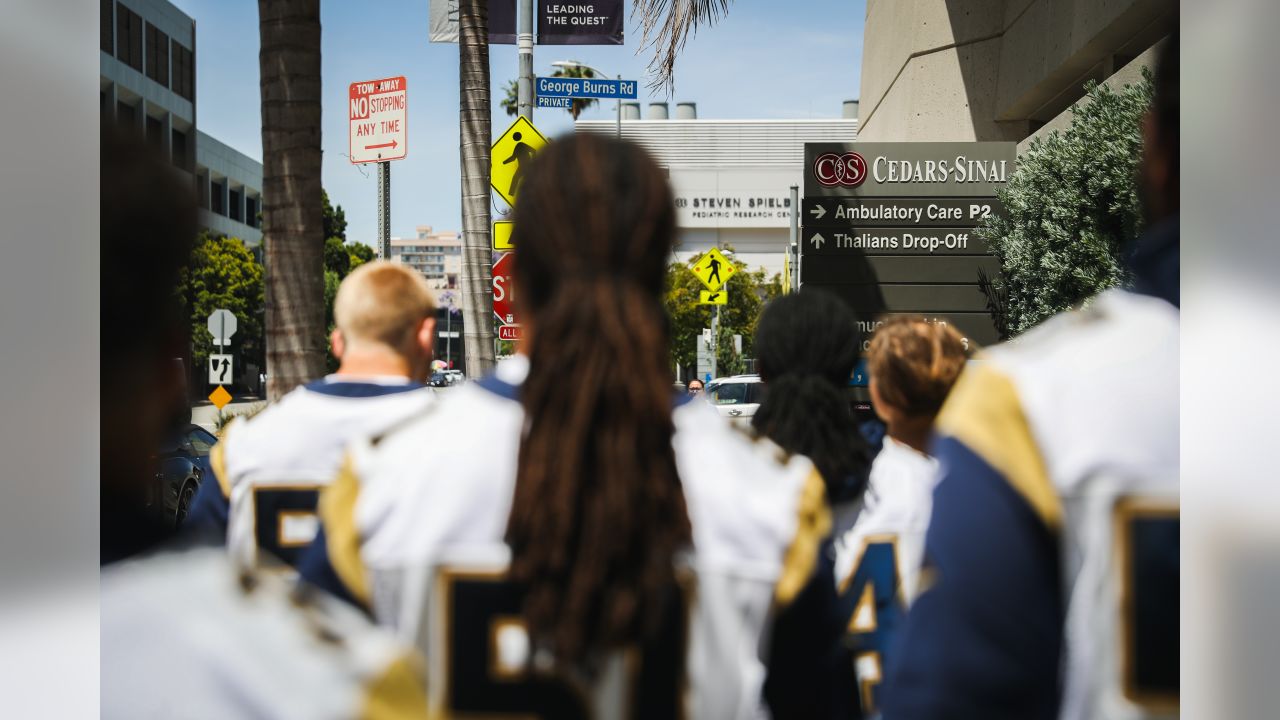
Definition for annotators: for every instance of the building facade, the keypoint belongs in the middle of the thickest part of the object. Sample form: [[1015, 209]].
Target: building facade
[[731, 178], [147, 80], [437, 255], [959, 70]]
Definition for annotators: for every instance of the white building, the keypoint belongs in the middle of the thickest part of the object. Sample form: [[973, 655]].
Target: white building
[[437, 255], [731, 178]]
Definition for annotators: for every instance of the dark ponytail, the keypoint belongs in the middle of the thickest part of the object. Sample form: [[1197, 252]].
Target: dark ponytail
[[599, 512], [807, 345]]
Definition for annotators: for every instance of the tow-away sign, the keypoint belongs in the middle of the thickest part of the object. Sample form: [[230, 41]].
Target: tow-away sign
[[379, 120]]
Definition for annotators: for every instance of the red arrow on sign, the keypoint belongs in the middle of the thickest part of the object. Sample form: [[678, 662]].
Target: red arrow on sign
[[391, 144]]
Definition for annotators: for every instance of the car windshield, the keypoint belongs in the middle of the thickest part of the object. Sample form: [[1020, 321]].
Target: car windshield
[[728, 393], [201, 441]]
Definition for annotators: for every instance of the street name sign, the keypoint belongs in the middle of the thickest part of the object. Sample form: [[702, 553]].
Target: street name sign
[[714, 269], [221, 369], [222, 325], [378, 120], [716, 297], [596, 88], [511, 152], [502, 235]]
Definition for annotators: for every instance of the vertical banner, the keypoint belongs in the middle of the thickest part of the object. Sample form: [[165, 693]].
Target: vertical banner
[[582, 23], [442, 21]]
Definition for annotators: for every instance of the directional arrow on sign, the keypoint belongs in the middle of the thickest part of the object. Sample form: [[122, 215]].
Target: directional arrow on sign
[[391, 144], [818, 211], [817, 240]]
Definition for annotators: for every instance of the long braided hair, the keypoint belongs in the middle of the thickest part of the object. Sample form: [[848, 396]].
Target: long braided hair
[[599, 512], [807, 345]]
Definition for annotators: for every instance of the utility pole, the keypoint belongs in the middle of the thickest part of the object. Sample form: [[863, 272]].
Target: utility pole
[[524, 43], [618, 126], [715, 340], [384, 210], [794, 246]]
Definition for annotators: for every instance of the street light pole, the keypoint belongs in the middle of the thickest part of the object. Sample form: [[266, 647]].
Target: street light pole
[[618, 134], [524, 41]]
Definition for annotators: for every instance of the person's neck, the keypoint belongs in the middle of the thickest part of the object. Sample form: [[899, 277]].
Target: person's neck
[[914, 435], [374, 364]]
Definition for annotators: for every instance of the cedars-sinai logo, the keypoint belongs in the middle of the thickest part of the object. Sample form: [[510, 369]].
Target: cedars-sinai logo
[[848, 169]]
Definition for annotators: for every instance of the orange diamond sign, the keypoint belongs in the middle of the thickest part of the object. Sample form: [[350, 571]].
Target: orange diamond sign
[[220, 397]]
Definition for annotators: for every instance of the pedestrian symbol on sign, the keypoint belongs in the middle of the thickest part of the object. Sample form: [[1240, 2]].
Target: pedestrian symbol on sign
[[520, 155]]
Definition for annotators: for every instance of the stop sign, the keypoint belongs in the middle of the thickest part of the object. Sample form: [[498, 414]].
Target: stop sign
[[503, 305]]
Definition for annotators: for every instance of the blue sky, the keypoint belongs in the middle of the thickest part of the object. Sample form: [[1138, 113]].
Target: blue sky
[[764, 60]]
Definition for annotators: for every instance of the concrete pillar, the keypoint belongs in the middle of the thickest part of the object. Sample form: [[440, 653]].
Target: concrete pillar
[[630, 111], [686, 111], [850, 110], [657, 111]]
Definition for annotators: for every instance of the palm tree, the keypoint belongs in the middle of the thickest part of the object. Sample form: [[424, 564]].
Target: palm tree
[[577, 105], [667, 25], [292, 219], [474, 138]]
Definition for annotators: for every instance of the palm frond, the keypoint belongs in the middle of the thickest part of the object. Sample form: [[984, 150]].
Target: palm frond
[[666, 26]]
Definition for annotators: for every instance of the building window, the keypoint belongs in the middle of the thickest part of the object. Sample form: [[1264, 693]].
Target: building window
[[181, 153], [129, 37], [217, 192], [235, 206], [202, 190], [155, 131], [157, 55], [251, 211], [126, 115], [184, 72], [107, 17]]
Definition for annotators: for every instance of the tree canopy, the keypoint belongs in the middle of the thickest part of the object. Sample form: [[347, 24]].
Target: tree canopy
[[748, 291], [223, 273], [1072, 210]]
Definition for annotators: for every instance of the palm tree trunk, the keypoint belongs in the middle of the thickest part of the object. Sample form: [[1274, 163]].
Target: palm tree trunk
[[474, 139], [292, 219]]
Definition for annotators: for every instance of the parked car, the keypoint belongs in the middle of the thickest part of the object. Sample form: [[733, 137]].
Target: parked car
[[183, 465], [737, 397]]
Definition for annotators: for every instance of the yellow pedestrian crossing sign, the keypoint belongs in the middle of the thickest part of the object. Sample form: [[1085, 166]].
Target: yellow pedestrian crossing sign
[[713, 297], [502, 235], [509, 156], [714, 269]]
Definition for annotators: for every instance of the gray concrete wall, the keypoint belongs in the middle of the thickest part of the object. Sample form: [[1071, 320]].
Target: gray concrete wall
[[961, 70]]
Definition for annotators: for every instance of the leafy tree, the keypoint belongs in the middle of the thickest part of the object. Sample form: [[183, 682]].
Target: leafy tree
[[337, 259], [335, 219], [359, 254], [748, 291], [223, 273], [1072, 210], [331, 282], [511, 101]]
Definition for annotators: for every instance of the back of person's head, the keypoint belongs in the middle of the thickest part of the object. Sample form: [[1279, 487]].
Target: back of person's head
[[147, 230], [807, 344], [598, 513], [384, 305], [913, 363]]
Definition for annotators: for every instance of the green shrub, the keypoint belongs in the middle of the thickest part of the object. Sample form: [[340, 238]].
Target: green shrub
[[1072, 210]]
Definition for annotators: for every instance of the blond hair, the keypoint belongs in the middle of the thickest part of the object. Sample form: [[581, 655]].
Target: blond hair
[[384, 303], [914, 363]]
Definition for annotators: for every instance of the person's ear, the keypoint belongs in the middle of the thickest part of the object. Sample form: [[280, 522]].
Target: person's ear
[[427, 337], [337, 343]]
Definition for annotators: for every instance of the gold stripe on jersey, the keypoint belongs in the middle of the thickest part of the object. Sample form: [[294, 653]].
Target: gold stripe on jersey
[[218, 463], [396, 694], [983, 413], [342, 539], [813, 524]]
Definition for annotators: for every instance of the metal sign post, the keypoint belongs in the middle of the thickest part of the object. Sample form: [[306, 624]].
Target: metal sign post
[[792, 248], [384, 210]]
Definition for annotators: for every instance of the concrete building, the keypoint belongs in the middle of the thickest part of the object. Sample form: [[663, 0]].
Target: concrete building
[[147, 80], [437, 255], [731, 178], [961, 70]]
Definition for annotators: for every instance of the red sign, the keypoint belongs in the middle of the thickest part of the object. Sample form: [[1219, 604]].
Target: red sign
[[378, 120], [510, 332], [503, 298], [849, 169]]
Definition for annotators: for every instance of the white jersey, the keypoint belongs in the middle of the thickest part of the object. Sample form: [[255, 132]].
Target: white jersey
[[185, 634], [416, 530], [1089, 402], [270, 468], [878, 559]]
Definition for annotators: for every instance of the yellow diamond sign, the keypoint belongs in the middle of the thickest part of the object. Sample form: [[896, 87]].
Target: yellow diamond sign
[[502, 235], [220, 397], [714, 269], [713, 297], [509, 156]]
